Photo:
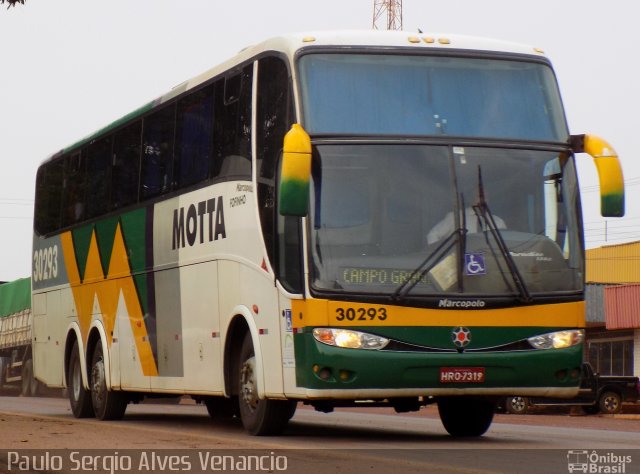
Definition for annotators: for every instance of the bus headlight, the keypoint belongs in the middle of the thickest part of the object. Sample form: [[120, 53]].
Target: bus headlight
[[349, 339], [557, 340]]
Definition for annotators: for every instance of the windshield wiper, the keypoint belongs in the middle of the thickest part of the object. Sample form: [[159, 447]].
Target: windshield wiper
[[427, 264], [482, 210]]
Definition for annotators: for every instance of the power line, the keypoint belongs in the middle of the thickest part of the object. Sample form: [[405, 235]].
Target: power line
[[595, 187], [16, 202], [605, 227]]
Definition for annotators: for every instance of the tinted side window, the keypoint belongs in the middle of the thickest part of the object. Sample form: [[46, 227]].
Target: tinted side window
[[194, 138], [157, 152], [126, 166], [274, 113], [274, 117], [232, 129], [74, 184], [98, 177], [48, 197]]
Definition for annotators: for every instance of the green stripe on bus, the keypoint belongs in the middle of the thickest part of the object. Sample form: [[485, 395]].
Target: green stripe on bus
[[112, 126], [81, 243], [134, 231]]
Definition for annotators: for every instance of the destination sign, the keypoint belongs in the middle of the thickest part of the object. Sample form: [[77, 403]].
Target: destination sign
[[380, 276]]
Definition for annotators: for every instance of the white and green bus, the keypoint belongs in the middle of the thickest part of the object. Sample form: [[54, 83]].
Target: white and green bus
[[336, 219]]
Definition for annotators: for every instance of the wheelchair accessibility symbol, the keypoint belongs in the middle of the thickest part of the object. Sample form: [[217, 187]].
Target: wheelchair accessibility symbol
[[474, 264]]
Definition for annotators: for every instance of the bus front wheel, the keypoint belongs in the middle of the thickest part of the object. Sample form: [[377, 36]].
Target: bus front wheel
[[220, 408], [260, 417], [466, 416], [79, 398]]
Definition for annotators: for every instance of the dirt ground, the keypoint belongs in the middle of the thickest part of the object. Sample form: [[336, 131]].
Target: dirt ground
[[38, 432], [21, 431], [627, 420]]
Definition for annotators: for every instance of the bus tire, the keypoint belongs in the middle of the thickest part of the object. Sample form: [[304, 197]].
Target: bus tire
[[221, 408], [517, 405], [79, 398], [260, 417], [610, 403], [466, 416], [292, 409], [107, 404]]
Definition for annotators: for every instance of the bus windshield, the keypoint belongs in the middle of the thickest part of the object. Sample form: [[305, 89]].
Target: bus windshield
[[420, 219], [384, 94]]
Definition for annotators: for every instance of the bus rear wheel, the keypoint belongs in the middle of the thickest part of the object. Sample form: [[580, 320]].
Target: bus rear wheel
[[79, 398], [107, 404], [260, 417], [466, 416]]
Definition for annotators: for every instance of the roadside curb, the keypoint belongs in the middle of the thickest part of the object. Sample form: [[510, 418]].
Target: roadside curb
[[623, 417]]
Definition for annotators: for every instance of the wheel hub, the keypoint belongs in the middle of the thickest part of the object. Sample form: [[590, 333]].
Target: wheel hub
[[76, 381], [611, 403], [249, 392], [97, 380]]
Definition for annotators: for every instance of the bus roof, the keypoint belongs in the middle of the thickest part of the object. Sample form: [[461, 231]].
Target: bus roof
[[397, 39], [291, 43]]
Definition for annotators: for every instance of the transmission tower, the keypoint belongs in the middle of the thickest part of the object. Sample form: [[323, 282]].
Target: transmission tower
[[392, 10]]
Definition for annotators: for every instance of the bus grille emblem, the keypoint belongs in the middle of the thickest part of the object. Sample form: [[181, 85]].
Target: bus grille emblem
[[461, 336]]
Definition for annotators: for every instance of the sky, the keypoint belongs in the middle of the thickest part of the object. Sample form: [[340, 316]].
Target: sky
[[69, 67]]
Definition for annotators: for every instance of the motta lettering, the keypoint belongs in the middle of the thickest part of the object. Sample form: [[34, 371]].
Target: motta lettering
[[202, 221]]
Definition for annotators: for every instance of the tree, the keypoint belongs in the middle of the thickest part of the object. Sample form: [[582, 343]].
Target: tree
[[12, 3]]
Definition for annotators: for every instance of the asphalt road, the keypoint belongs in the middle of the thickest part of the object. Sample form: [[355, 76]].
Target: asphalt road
[[368, 441]]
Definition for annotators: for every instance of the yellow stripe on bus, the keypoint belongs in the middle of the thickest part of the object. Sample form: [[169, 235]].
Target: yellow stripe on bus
[[119, 265], [316, 312], [107, 292]]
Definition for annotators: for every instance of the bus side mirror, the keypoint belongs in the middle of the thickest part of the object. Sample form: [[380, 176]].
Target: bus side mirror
[[609, 172], [293, 196]]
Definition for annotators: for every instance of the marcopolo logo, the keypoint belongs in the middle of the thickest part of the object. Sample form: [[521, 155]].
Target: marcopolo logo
[[461, 336], [461, 304], [594, 462]]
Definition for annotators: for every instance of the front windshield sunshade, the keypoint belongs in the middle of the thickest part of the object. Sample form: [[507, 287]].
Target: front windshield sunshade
[[418, 220], [394, 94]]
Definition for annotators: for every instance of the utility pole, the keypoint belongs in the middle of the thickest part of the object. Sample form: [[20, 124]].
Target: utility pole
[[392, 10]]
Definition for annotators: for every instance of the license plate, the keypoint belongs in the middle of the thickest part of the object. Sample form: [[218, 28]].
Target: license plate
[[461, 374]]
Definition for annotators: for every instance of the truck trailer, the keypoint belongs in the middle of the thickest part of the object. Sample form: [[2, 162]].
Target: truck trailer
[[16, 361]]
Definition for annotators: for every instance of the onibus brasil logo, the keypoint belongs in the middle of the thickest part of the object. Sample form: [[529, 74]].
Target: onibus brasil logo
[[593, 462]]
